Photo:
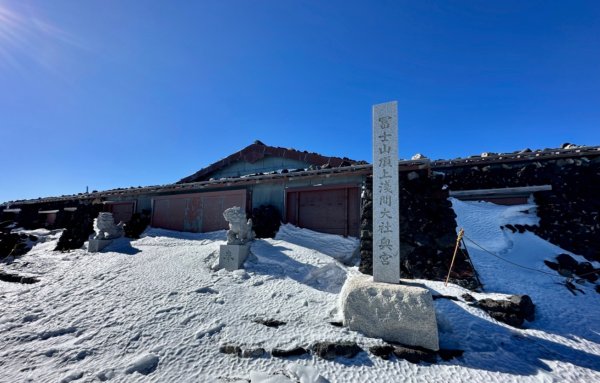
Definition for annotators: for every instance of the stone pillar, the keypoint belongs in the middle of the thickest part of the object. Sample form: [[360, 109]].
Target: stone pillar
[[386, 201], [380, 306]]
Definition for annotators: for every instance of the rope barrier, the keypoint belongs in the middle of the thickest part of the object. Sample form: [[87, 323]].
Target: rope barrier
[[524, 267], [460, 239], [506, 260]]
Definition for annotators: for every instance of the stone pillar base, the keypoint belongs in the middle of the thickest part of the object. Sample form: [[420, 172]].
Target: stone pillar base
[[395, 313], [96, 245], [232, 257]]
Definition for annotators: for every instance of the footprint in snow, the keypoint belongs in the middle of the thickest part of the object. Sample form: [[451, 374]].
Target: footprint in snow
[[76, 356], [57, 332], [206, 290], [210, 331], [71, 376], [172, 295], [187, 319], [168, 309], [49, 353], [145, 364], [30, 318], [105, 375]]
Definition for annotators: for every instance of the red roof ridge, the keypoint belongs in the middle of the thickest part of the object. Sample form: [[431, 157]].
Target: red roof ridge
[[258, 150]]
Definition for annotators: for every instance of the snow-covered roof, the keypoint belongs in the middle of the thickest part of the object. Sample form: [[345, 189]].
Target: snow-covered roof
[[358, 169], [520, 156], [258, 151]]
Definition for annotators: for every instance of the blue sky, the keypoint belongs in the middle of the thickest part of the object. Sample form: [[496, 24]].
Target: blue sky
[[118, 93]]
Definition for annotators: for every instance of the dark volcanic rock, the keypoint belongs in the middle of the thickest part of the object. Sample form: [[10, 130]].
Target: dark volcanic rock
[[15, 278], [331, 350], [448, 354], [566, 262], [297, 351], [13, 244], [78, 227], [414, 355], [230, 349], [520, 228], [384, 351], [512, 312], [468, 297], [440, 296], [252, 353], [269, 322], [552, 265], [526, 306], [586, 270]]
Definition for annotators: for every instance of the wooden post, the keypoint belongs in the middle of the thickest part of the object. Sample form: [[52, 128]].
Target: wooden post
[[458, 239]]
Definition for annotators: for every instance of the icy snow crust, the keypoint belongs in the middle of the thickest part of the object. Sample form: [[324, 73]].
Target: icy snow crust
[[153, 310]]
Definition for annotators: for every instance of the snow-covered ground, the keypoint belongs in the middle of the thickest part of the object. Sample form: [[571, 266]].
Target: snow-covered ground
[[153, 309]]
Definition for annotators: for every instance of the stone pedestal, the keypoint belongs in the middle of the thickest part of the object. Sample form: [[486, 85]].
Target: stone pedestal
[[96, 245], [395, 313], [232, 257]]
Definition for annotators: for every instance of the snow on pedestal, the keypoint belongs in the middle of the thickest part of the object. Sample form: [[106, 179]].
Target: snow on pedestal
[[395, 313], [232, 257], [96, 245]]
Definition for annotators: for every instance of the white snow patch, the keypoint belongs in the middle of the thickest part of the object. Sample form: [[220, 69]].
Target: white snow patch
[[294, 373], [154, 306], [338, 247]]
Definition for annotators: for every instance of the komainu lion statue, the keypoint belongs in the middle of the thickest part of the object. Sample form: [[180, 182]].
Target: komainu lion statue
[[240, 230], [105, 228]]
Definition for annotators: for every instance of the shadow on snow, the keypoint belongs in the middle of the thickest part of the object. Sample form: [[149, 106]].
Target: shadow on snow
[[496, 347], [272, 260]]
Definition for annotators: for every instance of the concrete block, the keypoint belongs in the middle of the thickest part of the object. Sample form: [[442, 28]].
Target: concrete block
[[96, 245], [232, 257], [395, 313]]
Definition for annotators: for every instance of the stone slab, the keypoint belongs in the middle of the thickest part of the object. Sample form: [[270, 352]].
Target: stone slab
[[96, 245], [232, 257], [386, 200], [395, 313]]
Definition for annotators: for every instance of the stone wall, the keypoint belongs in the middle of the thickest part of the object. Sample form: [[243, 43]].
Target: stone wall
[[427, 230], [569, 213], [77, 224]]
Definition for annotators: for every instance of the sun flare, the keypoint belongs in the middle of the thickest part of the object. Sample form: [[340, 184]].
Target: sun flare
[[26, 36]]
